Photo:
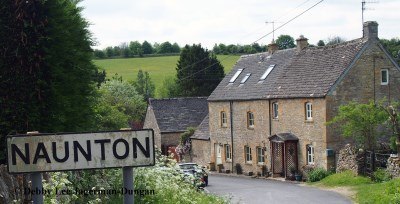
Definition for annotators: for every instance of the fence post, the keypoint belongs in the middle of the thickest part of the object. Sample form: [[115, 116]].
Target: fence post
[[373, 161]]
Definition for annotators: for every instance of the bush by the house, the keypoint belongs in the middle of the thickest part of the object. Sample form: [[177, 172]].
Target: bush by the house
[[381, 175], [317, 174]]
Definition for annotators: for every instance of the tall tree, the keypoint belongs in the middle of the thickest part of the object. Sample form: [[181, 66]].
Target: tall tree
[[361, 122], [285, 42], [165, 47], [335, 40], [321, 43], [393, 46], [118, 106], [198, 71], [143, 84], [136, 48], [147, 48], [176, 48], [47, 76]]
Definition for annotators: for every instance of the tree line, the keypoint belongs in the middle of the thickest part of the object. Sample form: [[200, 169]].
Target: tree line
[[137, 49]]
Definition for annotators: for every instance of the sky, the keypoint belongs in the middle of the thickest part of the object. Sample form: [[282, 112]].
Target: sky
[[233, 21]]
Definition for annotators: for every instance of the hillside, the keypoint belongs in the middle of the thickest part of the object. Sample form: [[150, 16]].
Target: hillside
[[158, 67]]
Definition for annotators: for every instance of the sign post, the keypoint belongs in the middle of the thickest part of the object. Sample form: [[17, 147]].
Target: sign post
[[37, 184], [35, 153], [127, 173]]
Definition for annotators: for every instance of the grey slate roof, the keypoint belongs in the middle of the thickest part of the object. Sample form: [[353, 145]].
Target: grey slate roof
[[177, 114], [203, 131], [310, 72]]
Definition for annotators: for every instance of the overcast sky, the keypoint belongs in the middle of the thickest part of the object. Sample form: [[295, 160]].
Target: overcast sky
[[233, 21]]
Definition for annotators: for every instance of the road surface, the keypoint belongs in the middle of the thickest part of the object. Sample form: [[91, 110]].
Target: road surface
[[249, 190]]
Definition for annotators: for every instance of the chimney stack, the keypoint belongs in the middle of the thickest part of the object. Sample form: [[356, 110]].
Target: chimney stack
[[272, 47], [370, 30], [302, 43]]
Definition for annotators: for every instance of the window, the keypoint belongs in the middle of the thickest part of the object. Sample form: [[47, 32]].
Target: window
[[224, 120], [247, 149], [266, 73], [228, 154], [275, 110], [245, 78], [235, 76], [310, 154], [308, 111], [384, 77], [250, 119], [260, 155]]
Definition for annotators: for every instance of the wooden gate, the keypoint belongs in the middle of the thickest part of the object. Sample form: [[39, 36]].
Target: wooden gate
[[284, 154]]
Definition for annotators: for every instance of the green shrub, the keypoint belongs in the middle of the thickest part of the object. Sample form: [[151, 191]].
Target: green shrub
[[381, 175], [317, 174]]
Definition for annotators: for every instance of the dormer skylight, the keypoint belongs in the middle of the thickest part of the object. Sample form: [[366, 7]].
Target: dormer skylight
[[266, 73], [245, 78], [235, 76]]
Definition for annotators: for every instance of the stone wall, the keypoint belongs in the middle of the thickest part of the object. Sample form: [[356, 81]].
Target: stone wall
[[393, 166], [150, 122], [10, 186], [200, 152], [349, 158]]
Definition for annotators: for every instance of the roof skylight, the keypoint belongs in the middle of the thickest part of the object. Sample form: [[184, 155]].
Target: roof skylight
[[266, 73], [235, 76], [245, 78]]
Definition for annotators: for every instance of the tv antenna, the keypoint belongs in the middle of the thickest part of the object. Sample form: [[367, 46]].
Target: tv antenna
[[273, 28], [363, 8]]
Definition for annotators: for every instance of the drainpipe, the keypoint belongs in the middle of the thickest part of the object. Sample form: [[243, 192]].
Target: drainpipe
[[231, 117], [270, 133], [269, 117]]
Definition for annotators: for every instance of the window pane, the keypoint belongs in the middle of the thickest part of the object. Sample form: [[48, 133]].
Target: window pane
[[384, 76]]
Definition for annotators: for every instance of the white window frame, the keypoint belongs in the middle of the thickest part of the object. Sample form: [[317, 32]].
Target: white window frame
[[228, 153], [267, 72], [309, 111], [235, 76], [250, 119], [275, 108], [387, 76], [224, 119], [248, 157], [260, 155], [310, 154], [245, 78]]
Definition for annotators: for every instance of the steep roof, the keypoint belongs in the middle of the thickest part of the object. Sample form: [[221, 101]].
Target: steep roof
[[177, 114], [203, 131], [310, 72]]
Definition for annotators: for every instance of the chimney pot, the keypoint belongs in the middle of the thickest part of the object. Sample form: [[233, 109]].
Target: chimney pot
[[302, 43], [370, 30]]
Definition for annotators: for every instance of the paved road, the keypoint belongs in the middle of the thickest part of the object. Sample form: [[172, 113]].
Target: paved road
[[248, 190]]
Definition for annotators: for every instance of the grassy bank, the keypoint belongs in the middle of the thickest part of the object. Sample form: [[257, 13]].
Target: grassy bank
[[366, 190], [158, 67]]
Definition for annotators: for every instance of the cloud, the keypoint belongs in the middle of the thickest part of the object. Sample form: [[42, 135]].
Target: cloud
[[231, 22]]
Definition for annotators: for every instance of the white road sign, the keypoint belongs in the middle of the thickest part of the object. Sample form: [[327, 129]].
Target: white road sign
[[61, 152]]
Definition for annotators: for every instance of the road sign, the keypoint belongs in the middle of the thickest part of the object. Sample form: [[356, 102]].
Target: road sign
[[62, 152]]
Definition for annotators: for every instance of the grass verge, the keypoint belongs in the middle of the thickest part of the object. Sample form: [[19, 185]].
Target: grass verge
[[366, 190]]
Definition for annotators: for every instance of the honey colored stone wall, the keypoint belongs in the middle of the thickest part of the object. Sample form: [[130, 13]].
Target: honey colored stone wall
[[200, 152], [150, 122], [361, 83], [292, 119], [242, 134]]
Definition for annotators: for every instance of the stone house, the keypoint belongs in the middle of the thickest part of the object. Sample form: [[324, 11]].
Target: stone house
[[200, 144], [170, 117], [271, 110]]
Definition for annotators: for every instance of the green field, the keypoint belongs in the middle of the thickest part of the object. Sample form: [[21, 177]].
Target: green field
[[158, 67]]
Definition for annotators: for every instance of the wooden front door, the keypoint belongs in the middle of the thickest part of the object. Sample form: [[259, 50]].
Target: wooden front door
[[218, 154]]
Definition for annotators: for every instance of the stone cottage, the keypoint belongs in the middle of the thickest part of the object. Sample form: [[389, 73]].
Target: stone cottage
[[170, 117], [200, 144], [271, 109]]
